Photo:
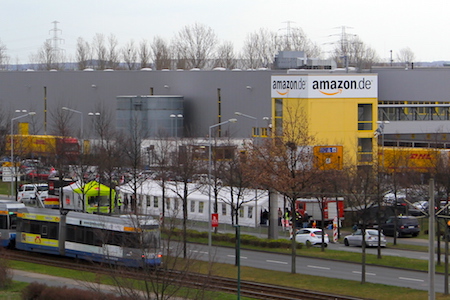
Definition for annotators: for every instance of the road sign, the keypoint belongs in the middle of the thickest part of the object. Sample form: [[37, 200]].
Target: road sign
[[214, 220]]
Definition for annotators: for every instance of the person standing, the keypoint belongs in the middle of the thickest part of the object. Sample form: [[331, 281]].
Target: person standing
[[280, 216], [305, 219]]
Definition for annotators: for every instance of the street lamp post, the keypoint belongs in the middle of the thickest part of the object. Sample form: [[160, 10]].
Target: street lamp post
[[380, 130], [95, 127], [13, 170], [254, 141], [81, 132], [250, 117], [209, 181], [174, 116]]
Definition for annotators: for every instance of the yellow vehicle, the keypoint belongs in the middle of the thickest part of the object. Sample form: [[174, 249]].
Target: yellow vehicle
[[423, 160], [25, 145]]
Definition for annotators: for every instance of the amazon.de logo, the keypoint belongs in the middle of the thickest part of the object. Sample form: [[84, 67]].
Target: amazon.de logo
[[335, 87], [283, 87]]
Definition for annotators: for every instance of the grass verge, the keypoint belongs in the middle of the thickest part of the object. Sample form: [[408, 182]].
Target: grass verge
[[329, 285]]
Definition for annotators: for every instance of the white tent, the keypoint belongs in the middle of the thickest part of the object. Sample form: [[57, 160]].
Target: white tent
[[149, 201]]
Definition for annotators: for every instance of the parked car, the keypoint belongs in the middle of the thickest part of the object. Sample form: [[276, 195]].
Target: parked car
[[312, 236], [371, 238], [40, 174], [28, 192], [406, 225]]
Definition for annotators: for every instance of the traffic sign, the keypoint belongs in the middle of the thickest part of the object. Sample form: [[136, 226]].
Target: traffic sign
[[214, 220]]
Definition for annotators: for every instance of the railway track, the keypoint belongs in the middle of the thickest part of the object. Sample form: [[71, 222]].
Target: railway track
[[249, 289]]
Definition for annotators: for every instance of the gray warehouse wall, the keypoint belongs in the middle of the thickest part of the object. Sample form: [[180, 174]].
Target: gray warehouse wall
[[88, 91]]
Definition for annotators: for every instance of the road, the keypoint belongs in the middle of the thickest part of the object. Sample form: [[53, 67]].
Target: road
[[320, 267]]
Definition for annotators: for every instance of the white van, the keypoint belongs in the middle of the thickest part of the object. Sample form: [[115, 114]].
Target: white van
[[30, 192]]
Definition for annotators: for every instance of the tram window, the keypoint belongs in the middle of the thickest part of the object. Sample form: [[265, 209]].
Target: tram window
[[44, 230], [13, 221], [99, 238], [71, 233], [35, 227], [25, 224], [89, 237], [53, 230], [3, 222], [132, 240], [79, 235]]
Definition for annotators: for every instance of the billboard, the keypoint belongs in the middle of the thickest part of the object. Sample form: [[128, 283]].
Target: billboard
[[325, 86]]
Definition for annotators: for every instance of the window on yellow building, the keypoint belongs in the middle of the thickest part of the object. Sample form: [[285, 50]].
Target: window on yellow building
[[365, 150], [364, 116]]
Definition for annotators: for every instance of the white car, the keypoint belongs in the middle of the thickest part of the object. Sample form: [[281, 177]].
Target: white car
[[27, 192], [371, 239], [312, 236]]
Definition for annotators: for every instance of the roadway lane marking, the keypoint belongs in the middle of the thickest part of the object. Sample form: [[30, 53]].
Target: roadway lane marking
[[411, 279], [277, 262], [318, 267], [359, 272], [196, 251], [244, 257]]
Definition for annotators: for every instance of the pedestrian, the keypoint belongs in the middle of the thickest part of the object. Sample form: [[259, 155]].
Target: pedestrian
[[287, 215], [298, 219], [280, 216], [306, 219], [126, 202]]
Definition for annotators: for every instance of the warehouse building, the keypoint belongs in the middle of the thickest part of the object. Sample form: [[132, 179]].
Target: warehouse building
[[411, 105]]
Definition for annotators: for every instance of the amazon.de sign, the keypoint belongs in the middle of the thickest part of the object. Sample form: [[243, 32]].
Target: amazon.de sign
[[325, 86]]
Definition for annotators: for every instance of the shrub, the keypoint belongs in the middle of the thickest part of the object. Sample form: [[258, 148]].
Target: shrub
[[37, 291], [33, 291], [5, 272]]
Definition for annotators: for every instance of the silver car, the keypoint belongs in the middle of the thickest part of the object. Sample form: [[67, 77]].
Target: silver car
[[371, 239]]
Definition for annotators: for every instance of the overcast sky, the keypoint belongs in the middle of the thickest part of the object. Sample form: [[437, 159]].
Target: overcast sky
[[384, 25]]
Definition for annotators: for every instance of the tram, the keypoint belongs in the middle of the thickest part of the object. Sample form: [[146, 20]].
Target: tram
[[123, 240], [8, 218]]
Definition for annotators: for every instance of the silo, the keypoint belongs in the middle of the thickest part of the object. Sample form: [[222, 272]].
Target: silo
[[151, 116]]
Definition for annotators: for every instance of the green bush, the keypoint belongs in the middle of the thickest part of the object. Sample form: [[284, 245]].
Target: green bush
[[37, 291], [5, 273], [246, 239]]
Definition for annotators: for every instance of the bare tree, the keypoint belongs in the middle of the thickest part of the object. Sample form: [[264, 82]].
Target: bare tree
[[83, 54], [63, 122], [113, 52], [259, 49], [5, 128], [4, 58], [285, 164], [166, 281], [296, 40], [360, 185], [406, 55], [100, 53], [239, 181], [130, 55], [225, 56], [352, 51], [144, 54], [184, 167], [132, 154], [49, 58], [161, 53], [195, 44]]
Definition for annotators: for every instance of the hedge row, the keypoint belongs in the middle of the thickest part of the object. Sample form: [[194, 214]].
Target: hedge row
[[246, 239], [38, 291]]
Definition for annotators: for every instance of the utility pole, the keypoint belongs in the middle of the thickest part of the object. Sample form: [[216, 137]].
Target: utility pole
[[55, 40], [288, 35]]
